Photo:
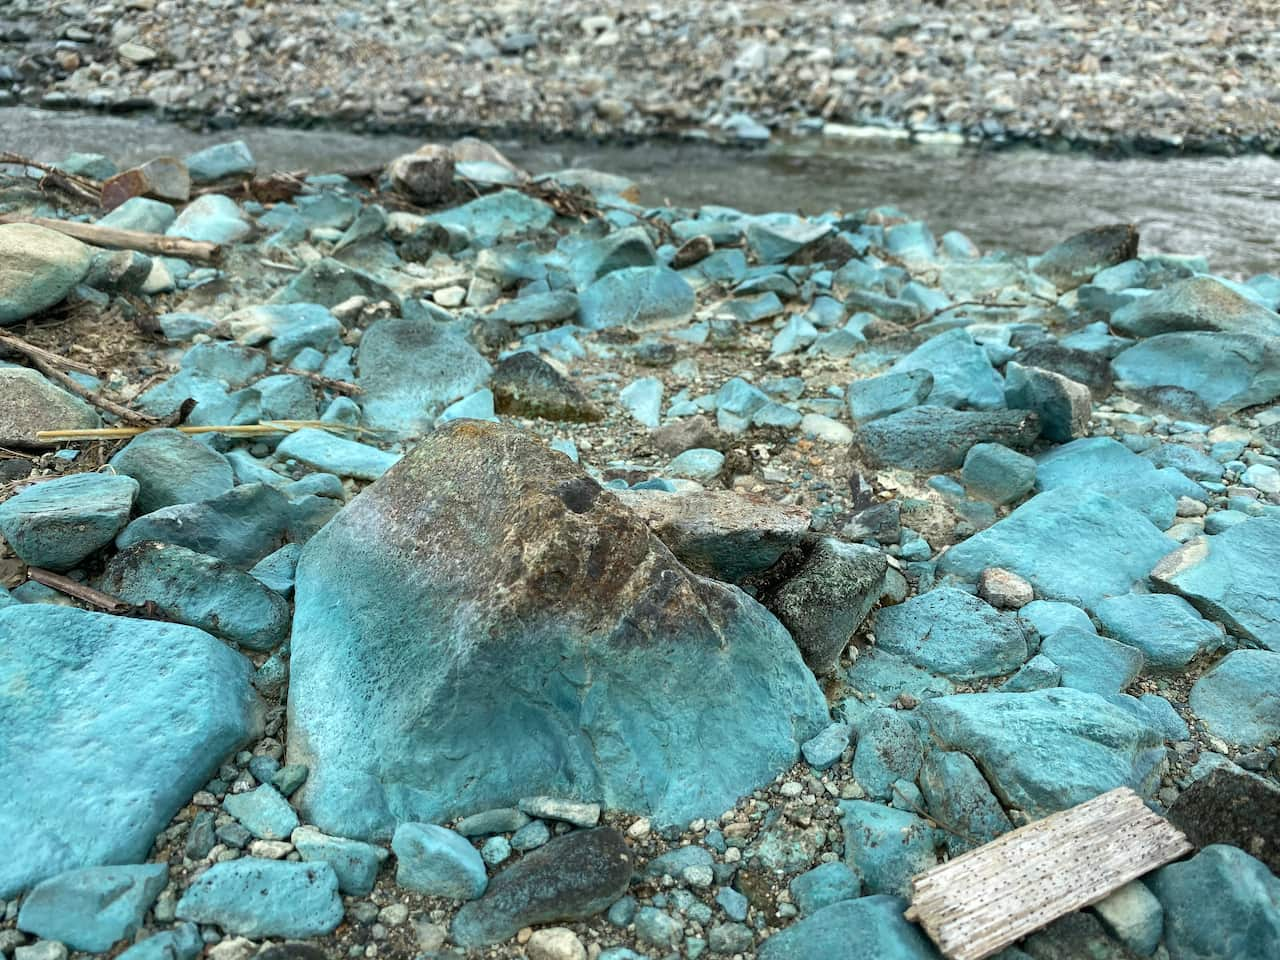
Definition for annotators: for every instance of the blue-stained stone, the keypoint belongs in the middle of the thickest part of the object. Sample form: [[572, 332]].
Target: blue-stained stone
[[329, 282], [1226, 371], [181, 942], [1092, 663], [1049, 616], [287, 396], [501, 214], [57, 523], [1197, 303], [334, 454], [183, 326], [1188, 460], [289, 778], [1079, 546], [659, 929], [643, 400], [740, 398], [1232, 577], [952, 633], [753, 309], [1047, 750], [437, 862], [623, 911], [996, 473], [593, 259], [211, 218], [1166, 628], [137, 713], [1062, 404], [732, 903], [696, 464], [639, 298], [887, 847], [475, 406], [795, 336], [258, 898], [354, 863], [825, 749], [200, 591], [776, 415], [912, 241], [776, 237], [963, 377], [1239, 699], [93, 907], [888, 393], [495, 850], [263, 812], [824, 885], [532, 835], [552, 307], [674, 862], [142, 214], [882, 676], [220, 161], [889, 749], [1134, 916], [316, 484], [960, 801], [172, 468], [1038, 673], [240, 527], [214, 405], [410, 371], [328, 209], [1100, 463], [867, 927], [934, 439], [1221, 904], [285, 328], [499, 820]]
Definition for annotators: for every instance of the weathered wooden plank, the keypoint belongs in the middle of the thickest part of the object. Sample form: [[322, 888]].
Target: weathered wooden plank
[[983, 901]]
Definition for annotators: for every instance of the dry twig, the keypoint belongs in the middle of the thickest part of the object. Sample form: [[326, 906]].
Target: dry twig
[[82, 188], [109, 237], [73, 588], [265, 428]]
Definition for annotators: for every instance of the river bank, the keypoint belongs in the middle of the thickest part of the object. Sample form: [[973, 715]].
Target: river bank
[[1167, 77]]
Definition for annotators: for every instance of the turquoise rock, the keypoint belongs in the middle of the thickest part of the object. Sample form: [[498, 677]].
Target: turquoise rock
[[1038, 673], [181, 942], [1221, 904], [881, 676], [495, 851], [411, 371], [92, 165], [287, 397], [937, 439], [869, 927], [200, 591], [1100, 463], [1134, 916], [953, 633], [276, 570], [782, 847], [1047, 750], [181, 325], [554, 306], [659, 929], [619, 250], [94, 907], [776, 237], [1188, 460], [886, 847], [1226, 371], [172, 468], [1239, 699], [1092, 663], [1079, 546], [1167, 629], [912, 242], [960, 801], [582, 647], [674, 862], [328, 209], [220, 161], [263, 812], [289, 778], [495, 215], [499, 820], [474, 406], [240, 527], [258, 898], [1197, 303], [437, 862], [1232, 577], [158, 706], [323, 450], [822, 886], [643, 400], [214, 405], [42, 266], [889, 749], [531, 836], [330, 282], [211, 218], [795, 336], [638, 298], [963, 377], [1063, 405], [57, 523], [1047, 617], [733, 903], [142, 214], [825, 749], [285, 328], [699, 464], [998, 474]]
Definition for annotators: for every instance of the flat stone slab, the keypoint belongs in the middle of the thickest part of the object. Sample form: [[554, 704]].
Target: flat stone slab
[[1239, 699], [252, 897]]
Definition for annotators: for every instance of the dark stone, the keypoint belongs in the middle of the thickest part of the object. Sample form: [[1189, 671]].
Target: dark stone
[[525, 385], [1091, 369], [1077, 936], [570, 878], [291, 951], [937, 438], [423, 242], [1075, 260], [1239, 809], [694, 250], [690, 434]]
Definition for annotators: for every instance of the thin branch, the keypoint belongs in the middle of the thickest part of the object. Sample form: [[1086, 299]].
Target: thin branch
[[82, 188], [73, 588], [967, 303], [329, 383], [21, 346], [109, 237], [266, 428]]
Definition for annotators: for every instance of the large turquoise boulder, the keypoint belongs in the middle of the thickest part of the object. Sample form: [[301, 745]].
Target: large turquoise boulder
[[170, 468], [1227, 371], [111, 724], [1080, 546], [257, 898], [1092, 663], [1239, 699], [937, 439], [1167, 629], [1222, 904], [1048, 750], [887, 846], [93, 907], [1104, 464], [963, 377], [558, 648], [952, 633], [200, 591], [40, 267], [1197, 303], [1232, 577], [496, 215], [869, 928], [58, 523], [638, 298], [410, 371]]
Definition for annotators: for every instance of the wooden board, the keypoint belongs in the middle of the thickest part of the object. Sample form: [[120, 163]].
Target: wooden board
[[991, 897]]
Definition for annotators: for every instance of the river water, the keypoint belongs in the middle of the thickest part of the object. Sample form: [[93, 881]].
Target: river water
[[1021, 200]]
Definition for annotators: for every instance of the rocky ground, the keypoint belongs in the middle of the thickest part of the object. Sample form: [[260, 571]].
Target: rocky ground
[[625, 582], [1158, 75]]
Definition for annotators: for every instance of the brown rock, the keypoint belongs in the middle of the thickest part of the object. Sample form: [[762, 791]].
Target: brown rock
[[164, 178], [525, 385], [426, 175], [694, 433]]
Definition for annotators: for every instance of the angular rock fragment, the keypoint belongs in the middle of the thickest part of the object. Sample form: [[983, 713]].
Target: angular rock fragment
[[1235, 807], [1062, 404], [938, 438], [38, 267], [94, 907], [1239, 699], [513, 571], [252, 897], [1198, 303], [1225, 371], [1075, 260], [525, 385], [888, 393], [952, 633], [963, 377], [59, 522]]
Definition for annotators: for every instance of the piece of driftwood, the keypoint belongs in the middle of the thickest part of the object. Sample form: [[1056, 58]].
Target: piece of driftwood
[[82, 188], [30, 350], [991, 897], [112, 239], [73, 588], [266, 428]]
